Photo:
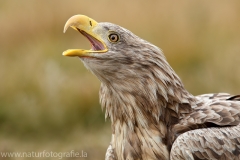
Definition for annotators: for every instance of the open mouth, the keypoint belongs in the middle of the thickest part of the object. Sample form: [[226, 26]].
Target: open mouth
[[95, 44], [86, 27]]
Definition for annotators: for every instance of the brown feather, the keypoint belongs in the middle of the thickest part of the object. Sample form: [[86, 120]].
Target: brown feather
[[151, 112]]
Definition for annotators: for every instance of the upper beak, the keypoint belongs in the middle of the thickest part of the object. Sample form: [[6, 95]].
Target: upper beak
[[86, 26]]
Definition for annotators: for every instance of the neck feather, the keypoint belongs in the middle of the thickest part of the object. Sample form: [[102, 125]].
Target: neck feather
[[143, 101], [159, 95]]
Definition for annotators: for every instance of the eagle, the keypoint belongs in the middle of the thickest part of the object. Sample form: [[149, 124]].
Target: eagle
[[153, 117]]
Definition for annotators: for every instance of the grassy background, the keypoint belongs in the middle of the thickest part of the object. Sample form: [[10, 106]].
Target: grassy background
[[50, 102]]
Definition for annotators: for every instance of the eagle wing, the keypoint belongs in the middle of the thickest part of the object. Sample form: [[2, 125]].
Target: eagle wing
[[208, 143], [211, 131]]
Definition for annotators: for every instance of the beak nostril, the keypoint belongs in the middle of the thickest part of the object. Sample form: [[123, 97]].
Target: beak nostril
[[79, 30], [90, 23]]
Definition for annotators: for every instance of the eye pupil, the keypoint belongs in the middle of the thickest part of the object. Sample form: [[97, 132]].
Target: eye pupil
[[113, 37]]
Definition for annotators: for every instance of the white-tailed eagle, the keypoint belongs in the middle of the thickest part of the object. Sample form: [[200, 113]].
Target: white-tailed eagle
[[153, 116]]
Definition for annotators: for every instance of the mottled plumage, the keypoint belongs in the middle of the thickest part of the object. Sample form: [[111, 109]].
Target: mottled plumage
[[153, 116]]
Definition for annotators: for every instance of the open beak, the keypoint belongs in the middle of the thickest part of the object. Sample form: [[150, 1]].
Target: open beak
[[85, 26]]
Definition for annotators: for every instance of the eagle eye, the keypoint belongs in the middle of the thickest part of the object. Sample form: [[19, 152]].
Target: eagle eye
[[113, 37]]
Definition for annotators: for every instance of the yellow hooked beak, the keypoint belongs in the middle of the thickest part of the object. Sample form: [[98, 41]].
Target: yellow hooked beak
[[85, 26]]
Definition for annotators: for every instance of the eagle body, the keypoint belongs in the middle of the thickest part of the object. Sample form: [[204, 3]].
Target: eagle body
[[153, 116]]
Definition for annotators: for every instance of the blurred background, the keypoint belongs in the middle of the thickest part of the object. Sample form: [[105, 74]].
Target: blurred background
[[50, 102]]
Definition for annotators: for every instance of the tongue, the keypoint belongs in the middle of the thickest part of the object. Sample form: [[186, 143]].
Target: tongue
[[96, 45]]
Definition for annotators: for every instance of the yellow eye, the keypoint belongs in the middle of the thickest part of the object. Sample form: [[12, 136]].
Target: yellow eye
[[113, 37]]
